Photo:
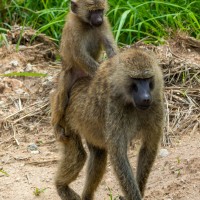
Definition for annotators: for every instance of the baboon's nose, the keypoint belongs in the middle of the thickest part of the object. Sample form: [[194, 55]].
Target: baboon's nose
[[98, 21], [145, 101]]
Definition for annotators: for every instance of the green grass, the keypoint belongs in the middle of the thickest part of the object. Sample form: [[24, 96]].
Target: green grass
[[131, 20], [38, 191], [24, 74], [4, 172], [154, 19]]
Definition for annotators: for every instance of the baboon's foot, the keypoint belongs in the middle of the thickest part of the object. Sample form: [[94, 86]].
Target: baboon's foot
[[66, 193]]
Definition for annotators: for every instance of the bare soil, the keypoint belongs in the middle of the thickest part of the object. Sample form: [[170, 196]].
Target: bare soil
[[25, 116], [176, 176]]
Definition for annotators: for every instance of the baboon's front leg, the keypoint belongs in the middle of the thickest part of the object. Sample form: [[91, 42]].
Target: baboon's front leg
[[146, 159], [123, 170]]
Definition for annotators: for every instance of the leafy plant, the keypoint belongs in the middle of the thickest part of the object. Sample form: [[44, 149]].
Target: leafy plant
[[134, 20], [37, 191], [3, 39], [4, 172], [24, 74], [153, 20], [111, 197]]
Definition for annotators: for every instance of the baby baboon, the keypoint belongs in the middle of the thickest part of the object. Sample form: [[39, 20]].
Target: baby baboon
[[122, 101], [86, 31]]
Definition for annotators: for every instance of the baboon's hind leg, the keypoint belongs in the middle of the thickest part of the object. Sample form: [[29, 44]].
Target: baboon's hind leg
[[72, 161], [95, 170]]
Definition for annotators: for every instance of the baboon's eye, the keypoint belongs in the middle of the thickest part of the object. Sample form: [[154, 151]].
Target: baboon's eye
[[96, 11], [100, 10], [151, 84], [134, 87]]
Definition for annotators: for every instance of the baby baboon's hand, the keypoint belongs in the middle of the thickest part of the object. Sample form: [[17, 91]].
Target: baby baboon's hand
[[60, 134], [121, 198]]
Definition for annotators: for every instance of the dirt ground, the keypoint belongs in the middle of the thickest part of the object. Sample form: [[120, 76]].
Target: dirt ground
[[27, 173], [175, 176]]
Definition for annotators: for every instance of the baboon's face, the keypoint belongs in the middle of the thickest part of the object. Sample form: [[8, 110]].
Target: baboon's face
[[141, 92], [95, 17], [90, 11]]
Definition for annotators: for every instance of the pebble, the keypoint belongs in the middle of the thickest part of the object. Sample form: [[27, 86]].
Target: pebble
[[164, 153], [32, 148], [14, 63], [35, 152], [28, 68]]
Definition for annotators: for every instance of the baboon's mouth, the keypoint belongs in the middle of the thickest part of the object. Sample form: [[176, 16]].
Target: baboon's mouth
[[96, 24], [143, 107]]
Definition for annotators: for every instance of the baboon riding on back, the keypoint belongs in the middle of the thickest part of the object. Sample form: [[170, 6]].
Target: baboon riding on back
[[85, 34]]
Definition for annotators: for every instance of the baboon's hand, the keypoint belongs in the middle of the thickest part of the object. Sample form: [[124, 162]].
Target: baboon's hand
[[121, 198]]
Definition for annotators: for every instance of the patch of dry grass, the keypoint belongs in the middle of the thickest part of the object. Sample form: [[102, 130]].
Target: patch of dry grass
[[179, 58]]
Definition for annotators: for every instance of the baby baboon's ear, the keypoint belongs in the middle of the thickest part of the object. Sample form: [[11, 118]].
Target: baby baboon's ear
[[74, 6]]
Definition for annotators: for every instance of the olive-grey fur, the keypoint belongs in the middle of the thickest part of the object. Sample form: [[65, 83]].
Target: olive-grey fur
[[102, 111], [80, 49]]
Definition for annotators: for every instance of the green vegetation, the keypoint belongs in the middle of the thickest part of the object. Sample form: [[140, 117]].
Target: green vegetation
[[4, 172], [153, 19], [131, 20], [111, 197], [24, 74], [37, 191]]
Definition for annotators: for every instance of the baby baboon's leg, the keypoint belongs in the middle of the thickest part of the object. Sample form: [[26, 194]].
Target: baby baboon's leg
[[60, 98], [72, 161], [59, 102], [146, 159], [95, 170]]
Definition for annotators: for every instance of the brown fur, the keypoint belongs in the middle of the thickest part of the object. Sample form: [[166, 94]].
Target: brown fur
[[80, 49], [101, 110]]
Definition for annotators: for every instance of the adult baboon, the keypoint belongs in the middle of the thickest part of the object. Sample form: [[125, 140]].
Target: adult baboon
[[86, 31], [122, 101]]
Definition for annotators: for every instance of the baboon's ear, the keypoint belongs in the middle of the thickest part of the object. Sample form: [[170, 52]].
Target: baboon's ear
[[73, 6]]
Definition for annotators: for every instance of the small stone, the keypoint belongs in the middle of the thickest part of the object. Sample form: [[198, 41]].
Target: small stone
[[35, 152], [19, 91], [50, 78], [32, 147], [22, 47], [28, 68], [18, 179], [14, 63], [7, 72], [164, 153]]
